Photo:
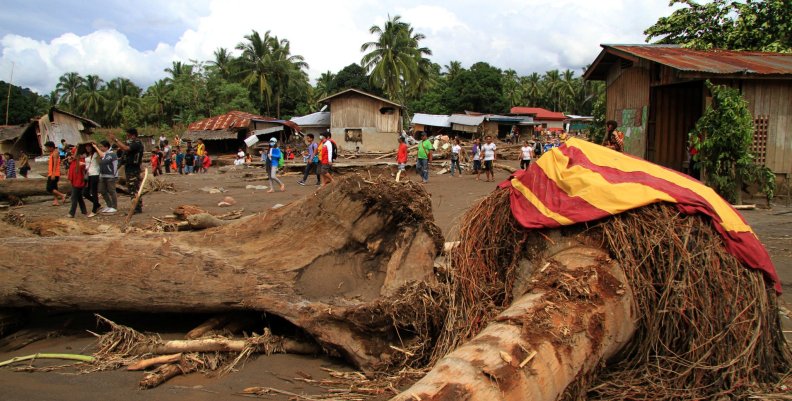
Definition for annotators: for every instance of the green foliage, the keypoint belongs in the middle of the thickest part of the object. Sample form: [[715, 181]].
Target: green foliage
[[723, 138], [479, 89], [25, 104], [750, 25], [597, 133], [353, 76]]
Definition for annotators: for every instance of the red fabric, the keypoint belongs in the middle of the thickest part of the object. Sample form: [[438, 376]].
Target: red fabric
[[76, 174], [401, 155], [207, 162], [742, 244]]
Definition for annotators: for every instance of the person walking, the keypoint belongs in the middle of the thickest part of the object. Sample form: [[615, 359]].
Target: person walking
[[326, 152], [76, 177], [10, 166], [456, 150], [526, 153], [488, 149], [91, 191], [401, 154], [311, 161], [424, 157], [54, 173], [133, 160], [476, 158], [108, 175], [275, 156]]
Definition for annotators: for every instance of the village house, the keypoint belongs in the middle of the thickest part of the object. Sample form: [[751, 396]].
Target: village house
[[227, 132], [53, 126], [364, 122], [657, 93], [543, 119], [432, 124], [315, 123]]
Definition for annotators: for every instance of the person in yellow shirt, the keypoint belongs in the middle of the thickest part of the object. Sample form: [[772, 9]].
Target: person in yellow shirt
[[200, 153]]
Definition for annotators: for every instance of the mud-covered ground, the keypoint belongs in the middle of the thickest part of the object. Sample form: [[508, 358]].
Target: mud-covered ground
[[451, 196]]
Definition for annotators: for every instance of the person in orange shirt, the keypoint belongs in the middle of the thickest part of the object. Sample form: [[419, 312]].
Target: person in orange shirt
[[613, 139], [53, 173]]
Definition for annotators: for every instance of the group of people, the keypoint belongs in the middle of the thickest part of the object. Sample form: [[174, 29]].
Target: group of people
[[483, 156], [319, 158], [9, 166]]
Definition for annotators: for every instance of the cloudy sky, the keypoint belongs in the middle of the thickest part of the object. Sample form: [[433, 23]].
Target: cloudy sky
[[138, 39]]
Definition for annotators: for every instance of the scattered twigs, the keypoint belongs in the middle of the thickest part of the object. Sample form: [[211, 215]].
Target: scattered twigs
[[158, 360], [213, 323]]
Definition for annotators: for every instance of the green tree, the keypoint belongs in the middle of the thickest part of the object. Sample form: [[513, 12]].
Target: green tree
[[256, 66], [727, 24], [478, 89], [395, 58], [24, 104], [532, 89], [91, 98], [69, 86], [452, 69], [722, 137], [512, 92], [353, 76], [285, 67], [224, 64]]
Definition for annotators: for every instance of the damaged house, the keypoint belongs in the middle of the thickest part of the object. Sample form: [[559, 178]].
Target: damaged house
[[360, 120], [53, 126], [227, 132]]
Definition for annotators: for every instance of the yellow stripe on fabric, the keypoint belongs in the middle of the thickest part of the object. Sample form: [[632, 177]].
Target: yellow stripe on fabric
[[537, 203], [614, 198], [731, 221]]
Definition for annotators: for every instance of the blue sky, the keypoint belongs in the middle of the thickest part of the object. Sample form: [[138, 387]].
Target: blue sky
[[139, 39]]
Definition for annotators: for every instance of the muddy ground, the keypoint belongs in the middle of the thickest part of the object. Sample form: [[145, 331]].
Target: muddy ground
[[451, 196]]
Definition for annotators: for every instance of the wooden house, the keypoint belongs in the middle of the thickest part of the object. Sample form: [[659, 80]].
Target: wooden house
[[315, 123], [657, 93], [362, 121], [432, 124], [543, 119], [53, 126], [227, 132]]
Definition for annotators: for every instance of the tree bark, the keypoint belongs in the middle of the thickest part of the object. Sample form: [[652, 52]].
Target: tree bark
[[21, 187], [310, 262], [538, 346]]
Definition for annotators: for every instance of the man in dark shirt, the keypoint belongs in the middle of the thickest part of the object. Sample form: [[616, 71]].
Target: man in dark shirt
[[133, 160]]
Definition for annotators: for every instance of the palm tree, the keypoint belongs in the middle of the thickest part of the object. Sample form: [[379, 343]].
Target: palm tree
[[68, 87], [223, 63], [158, 94], [531, 88], [120, 93], [91, 97], [453, 69], [394, 61], [511, 87], [285, 67], [324, 84], [568, 89], [552, 83], [178, 70], [256, 65]]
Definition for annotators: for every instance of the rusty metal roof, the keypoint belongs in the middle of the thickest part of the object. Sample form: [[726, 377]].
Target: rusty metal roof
[[716, 61], [235, 119], [541, 114]]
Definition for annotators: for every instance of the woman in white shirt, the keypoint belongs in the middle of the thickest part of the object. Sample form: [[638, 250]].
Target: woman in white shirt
[[91, 190], [456, 150], [527, 154]]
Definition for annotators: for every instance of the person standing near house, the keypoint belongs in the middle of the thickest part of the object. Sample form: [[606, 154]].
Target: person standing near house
[[179, 160], [476, 151], [155, 162], [401, 154], [91, 191], [76, 177], [24, 165], [162, 141], [526, 153], [133, 160], [189, 162], [200, 151], [207, 162], [326, 151], [311, 161], [456, 151], [167, 156], [489, 157], [108, 175], [53, 173], [424, 157], [613, 139], [10, 166]]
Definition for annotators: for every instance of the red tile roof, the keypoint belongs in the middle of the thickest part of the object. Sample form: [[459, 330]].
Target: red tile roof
[[540, 113], [234, 119]]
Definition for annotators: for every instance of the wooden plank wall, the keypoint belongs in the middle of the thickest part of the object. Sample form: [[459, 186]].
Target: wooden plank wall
[[358, 111], [773, 98], [675, 110], [628, 89]]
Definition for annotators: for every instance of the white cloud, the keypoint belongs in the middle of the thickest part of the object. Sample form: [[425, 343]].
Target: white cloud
[[526, 36]]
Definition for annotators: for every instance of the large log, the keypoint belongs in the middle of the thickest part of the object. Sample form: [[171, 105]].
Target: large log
[[310, 262], [538, 346], [22, 187]]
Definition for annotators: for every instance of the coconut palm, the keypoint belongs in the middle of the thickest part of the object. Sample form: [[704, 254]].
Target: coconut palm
[[91, 97], [256, 65], [552, 89], [453, 69], [511, 88], [68, 88], [223, 63], [531, 88], [285, 67], [120, 93], [178, 70], [394, 60], [324, 85]]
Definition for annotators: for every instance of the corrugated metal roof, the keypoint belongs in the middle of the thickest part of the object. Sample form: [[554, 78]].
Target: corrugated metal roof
[[463, 119], [232, 119], [435, 120], [507, 119], [540, 113], [318, 119], [711, 61], [209, 135]]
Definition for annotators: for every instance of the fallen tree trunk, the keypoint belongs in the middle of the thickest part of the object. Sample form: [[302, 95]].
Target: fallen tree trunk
[[158, 360], [542, 342], [374, 239], [20, 188], [286, 345]]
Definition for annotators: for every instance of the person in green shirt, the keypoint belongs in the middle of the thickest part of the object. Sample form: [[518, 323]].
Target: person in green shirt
[[424, 157]]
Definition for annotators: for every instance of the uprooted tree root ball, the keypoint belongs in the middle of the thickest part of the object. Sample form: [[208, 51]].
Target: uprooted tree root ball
[[707, 326]]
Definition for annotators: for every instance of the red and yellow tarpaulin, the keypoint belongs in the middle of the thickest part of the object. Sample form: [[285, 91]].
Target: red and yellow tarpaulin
[[581, 181]]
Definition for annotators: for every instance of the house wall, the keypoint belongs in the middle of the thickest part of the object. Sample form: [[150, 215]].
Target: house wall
[[550, 123], [674, 110], [627, 101], [64, 127], [773, 98], [355, 111]]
